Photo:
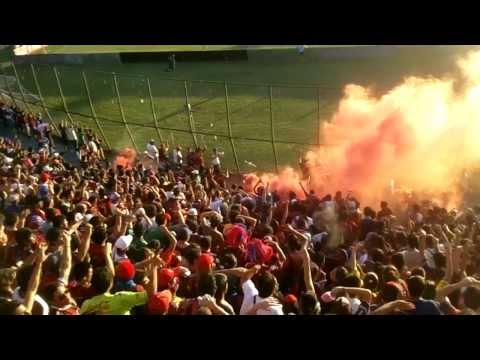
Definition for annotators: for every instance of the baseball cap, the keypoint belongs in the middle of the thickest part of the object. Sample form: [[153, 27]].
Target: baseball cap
[[205, 262], [159, 302], [78, 217], [290, 299], [123, 242], [125, 270], [44, 177], [165, 277], [193, 212]]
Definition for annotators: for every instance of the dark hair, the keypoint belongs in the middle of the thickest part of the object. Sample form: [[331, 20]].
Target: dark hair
[[398, 261], [10, 219], [138, 229], [102, 280], [150, 210], [191, 253], [23, 276], [413, 241], [58, 220], [50, 214], [418, 271], [471, 298], [182, 233], [205, 242], [22, 237], [390, 292], [352, 280], [99, 235], [416, 285], [80, 270], [221, 280], [206, 285], [308, 304], [429, 292], [378, 255], [8, 306], [266, 284], [341, 273], [229, 261], [390, 273], [53, 236]]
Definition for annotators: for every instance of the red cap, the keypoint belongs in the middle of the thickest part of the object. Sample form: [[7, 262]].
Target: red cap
[[160, 302], [205, 262], [125, 270], [165, 277], [44, 177], [290, 299]]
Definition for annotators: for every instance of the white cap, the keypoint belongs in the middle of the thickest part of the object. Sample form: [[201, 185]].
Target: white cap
[[88, 217], [193, 212], [195, 172], [123, 242], [355, 303], [78, 217], [47, 168]]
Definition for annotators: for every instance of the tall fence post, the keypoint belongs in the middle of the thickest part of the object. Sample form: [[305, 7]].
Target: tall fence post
[[272, 130], [21, 88], [42, 100], [159, 133], [8, 87], [92, 109], [229, 125], [190, 116], [60, 90], [318, 116], [121, 111]]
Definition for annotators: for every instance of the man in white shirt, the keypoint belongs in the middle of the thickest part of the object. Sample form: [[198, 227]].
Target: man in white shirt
[[216, 158], [177, 157], [259, 301], [152, 151]]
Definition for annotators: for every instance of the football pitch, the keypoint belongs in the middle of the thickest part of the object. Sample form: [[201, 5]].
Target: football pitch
[[300, 91]]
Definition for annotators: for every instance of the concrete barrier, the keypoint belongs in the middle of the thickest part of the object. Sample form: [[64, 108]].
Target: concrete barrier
[[67, 59]]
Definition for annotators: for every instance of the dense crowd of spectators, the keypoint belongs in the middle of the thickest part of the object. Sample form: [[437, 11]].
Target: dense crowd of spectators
[[168, 235]]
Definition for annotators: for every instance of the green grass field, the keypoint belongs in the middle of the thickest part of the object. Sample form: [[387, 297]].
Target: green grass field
[[297, 111]]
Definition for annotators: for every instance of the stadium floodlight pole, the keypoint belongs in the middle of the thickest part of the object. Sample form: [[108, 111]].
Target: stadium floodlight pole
[[25, 103], [42, 100], [115, 81], [152, 104], [92, 109], [60, 90], [227, 108], [272, 130], [190, 116]]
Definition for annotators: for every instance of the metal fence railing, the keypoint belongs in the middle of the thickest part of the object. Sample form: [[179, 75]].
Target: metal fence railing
[[266, 125]]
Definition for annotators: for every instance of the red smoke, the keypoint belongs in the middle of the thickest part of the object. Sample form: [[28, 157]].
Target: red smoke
[[126, 158], [420, 136]]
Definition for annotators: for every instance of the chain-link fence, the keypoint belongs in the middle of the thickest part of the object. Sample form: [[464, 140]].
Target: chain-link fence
[[256, 126]]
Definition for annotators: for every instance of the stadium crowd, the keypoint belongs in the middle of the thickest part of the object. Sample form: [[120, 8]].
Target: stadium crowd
[[181, 238]]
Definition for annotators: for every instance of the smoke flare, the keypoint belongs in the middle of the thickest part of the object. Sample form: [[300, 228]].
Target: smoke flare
[[421, 135]]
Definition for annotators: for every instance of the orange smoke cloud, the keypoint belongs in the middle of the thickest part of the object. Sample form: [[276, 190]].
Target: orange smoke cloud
[[421, 135], [126, 158]]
